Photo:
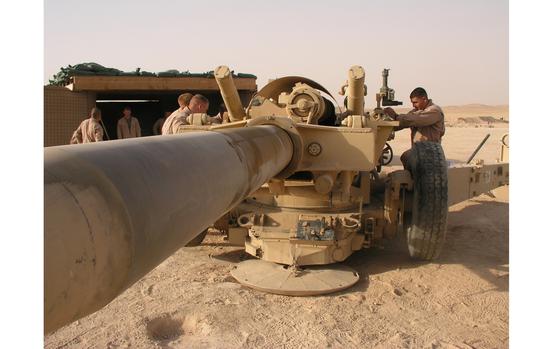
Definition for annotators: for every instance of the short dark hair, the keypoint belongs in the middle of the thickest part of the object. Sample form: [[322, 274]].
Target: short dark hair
[[127, 108], [418, 92]]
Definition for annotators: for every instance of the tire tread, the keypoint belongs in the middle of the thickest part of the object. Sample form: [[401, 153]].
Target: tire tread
[[426, 235]]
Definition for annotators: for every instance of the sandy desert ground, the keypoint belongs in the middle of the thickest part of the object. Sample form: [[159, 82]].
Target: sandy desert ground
[[459, 301]]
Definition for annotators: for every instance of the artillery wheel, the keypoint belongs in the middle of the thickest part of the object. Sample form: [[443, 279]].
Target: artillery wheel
[[427, 224], [198, 239]]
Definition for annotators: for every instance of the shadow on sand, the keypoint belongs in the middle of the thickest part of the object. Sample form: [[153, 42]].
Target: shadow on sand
[[477, 238]]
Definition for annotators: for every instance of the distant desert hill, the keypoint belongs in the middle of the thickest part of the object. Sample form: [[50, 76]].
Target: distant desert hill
[[473, 115], [469, 115]]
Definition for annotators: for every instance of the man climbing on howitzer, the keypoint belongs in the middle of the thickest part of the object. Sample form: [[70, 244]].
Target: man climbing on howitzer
[[426, 121], [90, 129]]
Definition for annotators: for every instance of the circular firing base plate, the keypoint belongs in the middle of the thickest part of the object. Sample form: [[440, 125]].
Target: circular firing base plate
[[311, 280]]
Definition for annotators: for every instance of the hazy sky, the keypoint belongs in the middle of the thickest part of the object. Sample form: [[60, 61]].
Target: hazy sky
[[457, 50]]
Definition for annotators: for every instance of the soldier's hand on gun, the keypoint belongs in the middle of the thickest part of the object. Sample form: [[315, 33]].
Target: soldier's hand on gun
[[389, 111]]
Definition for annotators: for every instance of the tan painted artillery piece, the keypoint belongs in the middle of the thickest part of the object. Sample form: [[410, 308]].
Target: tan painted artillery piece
[[299, 183]]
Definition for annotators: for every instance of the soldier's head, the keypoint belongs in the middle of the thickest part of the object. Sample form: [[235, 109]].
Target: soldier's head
[[184, 100], [199, 104], [127, 112], [419, 98], [95, 113]]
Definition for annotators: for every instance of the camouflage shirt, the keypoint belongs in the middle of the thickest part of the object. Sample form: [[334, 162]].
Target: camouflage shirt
[[173, 121], [426, 125], [89, 131]]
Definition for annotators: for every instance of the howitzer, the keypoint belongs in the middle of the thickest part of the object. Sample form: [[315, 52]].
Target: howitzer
[[299, 190], [115, 210]]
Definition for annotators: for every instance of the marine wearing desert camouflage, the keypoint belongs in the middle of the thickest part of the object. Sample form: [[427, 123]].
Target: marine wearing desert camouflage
[[124, 131], [89, 131], [173, 121], [426, 125]]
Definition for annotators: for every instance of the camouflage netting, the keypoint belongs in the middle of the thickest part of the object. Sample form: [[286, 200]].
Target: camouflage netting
[[62, 78]]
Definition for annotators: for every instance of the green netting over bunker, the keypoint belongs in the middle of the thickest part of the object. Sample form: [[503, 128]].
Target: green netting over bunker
[[62, 78]]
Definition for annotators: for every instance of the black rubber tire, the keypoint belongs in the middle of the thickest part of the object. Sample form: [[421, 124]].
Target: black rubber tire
[[428, 221], [198, 239]]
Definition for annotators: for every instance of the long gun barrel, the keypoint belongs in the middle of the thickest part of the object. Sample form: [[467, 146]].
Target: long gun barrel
[[115, 210]]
